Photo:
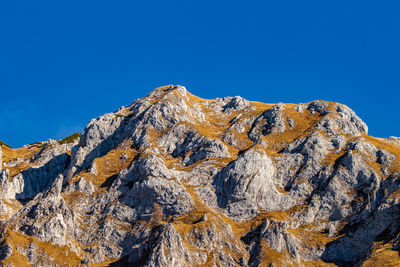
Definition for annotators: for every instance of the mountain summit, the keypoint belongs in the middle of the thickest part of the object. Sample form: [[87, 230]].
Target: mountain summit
[[176, 180]]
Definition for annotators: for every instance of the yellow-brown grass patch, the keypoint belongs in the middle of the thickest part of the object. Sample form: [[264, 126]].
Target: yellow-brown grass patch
[[61, 255], [24, 153]]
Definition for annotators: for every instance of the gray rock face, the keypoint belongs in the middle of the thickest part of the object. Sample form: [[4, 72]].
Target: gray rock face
[[169, 250], [48, 216], [47, 164], [184, 141], [51, 150], [93, 169], [83, 186], [149, 181], [345, 121], [97, 139], [270, 121], [180, 181], [319, 106], [234, 104], [247, 185], [278, 238], [395, 140]]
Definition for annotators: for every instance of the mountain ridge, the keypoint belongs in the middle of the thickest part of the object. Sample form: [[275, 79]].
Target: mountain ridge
[[239, 183]]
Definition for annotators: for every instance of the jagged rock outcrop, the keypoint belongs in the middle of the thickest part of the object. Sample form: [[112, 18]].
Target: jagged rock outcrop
[[247, 186], [148, 181], [176, 180], [169, 250], [51, 160]]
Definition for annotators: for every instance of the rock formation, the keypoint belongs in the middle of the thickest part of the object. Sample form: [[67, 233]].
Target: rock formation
[[235, 183]]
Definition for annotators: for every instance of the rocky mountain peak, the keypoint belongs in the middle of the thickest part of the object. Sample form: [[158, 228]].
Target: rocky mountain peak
[[177, 180]]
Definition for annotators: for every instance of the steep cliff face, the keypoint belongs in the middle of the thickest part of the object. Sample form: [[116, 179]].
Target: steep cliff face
[[238, 183]]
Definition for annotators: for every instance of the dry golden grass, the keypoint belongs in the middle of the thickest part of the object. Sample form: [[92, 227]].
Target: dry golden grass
[[62, 255], [15, 206], [304, 123], [24, 153], [317, 263], [310, 238], [184, 223], [281, 190], [388, 146], [270, 256], [383, 255], [331, 158], [73, 197], [16, 259], [107, 166], [396, 193], [163, 90]]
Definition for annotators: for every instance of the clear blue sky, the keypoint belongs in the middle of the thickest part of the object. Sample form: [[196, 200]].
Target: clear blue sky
[[65, 62]]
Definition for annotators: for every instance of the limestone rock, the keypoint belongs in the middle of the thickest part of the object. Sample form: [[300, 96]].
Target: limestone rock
[[343, 121], [247, 185], [270, 121], [93, 169], [234, 104], [181, 140], [148, 181], [169, 250], [236, 183]]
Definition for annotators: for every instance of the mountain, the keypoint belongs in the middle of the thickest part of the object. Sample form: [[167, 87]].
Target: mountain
[[176, 180]]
